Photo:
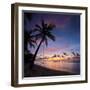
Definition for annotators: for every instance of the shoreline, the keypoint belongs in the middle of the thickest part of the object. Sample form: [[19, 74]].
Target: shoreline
[[42, 71]]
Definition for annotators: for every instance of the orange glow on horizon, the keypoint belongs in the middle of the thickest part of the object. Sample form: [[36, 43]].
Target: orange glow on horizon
[[56, 58]]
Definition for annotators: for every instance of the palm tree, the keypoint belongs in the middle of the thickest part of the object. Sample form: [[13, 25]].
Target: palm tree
[[62, 56], [65, 53], [78, 54], [54, 55], [74, 53], [29, 39], [28, 34], [44, 32]]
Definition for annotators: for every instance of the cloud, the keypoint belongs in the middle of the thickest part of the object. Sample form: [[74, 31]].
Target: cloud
[[54, 49]]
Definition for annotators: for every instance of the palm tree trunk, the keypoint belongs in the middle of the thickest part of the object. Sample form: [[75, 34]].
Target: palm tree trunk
[[34, 57]]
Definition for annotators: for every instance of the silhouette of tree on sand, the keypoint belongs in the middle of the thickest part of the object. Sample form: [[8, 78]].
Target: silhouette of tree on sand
[[41, 32], [44, 32]]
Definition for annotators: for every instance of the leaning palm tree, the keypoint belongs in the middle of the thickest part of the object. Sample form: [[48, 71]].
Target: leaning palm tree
[[44, 32]]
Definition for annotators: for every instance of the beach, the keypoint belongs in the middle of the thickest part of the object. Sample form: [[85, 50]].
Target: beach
[[51, 68]]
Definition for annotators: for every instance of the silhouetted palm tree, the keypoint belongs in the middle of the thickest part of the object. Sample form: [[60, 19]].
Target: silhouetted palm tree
[[58, 55], [29, 38], [44, 32], [62, 56], [54, 55], [78, 54], [65, 54], [74, 53]]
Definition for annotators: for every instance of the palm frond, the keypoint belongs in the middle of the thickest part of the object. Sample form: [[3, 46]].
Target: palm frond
[[78, 54], [52, 37], [74, 53], [31, 44], [43, 23], [39, 27], [46, 41], [36, 29], [38, 36], [50, 26]]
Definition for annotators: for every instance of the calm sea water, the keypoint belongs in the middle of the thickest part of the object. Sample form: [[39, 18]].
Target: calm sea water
[[73, 67]]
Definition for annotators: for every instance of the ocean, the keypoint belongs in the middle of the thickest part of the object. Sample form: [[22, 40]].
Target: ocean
[[62, 65]]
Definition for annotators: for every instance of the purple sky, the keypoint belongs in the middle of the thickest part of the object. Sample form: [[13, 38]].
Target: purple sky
[[67, 31]]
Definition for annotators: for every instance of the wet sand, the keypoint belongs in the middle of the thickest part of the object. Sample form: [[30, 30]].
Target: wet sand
[[42, 71]]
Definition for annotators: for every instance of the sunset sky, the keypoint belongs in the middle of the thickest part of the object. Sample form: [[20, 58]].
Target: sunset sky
[[67, 32]]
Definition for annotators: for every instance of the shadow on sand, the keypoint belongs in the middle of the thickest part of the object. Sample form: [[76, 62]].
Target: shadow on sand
[[42, 71]]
